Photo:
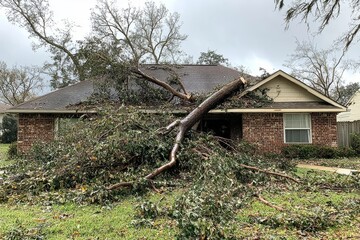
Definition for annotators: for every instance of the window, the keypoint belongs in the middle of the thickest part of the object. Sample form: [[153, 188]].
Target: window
[[297, 128]]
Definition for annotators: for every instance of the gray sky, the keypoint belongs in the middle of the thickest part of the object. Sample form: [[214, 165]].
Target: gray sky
[[249, 33]]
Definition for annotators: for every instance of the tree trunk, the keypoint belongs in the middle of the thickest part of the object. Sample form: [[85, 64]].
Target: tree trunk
[[187, 123]]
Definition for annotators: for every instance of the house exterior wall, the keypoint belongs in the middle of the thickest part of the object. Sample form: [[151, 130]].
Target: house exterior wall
[[324, 129], [34, 128], [266, 130], [281, 89], [353, 113]]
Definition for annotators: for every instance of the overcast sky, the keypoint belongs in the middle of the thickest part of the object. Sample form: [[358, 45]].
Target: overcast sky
[[249, 33]]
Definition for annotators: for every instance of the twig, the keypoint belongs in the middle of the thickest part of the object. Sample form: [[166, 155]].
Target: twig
[[120, 185], [261, 199], [270, 172], [154, 188], [169, 128]]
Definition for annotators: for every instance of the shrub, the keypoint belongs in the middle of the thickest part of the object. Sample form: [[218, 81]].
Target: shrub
[[307, 151], [9, 129], [12, 151], [355, 142]]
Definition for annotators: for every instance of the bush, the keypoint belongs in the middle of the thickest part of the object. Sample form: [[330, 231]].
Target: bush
[[9, 129], [355, 142], [12, 151], [306, 151]]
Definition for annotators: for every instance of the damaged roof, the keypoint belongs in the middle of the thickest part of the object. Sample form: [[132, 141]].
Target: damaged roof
[[201, 79], [195, 78]]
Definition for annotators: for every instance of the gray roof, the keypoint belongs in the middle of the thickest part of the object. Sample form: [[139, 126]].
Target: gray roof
[[4, 107], [195, 78], [57, 101], [298, 105]]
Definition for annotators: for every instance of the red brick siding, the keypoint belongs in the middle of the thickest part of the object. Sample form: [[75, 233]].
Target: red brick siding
[[34, 128], [324, 129], [266, 130]]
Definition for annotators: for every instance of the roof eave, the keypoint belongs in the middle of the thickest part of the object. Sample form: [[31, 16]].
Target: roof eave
[[60, 111], [275, 110]]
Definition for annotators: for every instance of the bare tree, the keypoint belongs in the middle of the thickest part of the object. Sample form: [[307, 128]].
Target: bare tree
[[36, 17], [150, 34], [321, 69], [323, 12], [18, 84]]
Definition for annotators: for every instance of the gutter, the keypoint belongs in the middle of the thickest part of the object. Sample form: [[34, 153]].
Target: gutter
[[274, 110], [215, 111], [48, 111]]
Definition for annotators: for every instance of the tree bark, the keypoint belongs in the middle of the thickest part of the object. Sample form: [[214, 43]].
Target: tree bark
[[186, 124]]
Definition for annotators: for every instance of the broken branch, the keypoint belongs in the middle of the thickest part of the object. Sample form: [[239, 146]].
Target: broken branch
[[186, 124], [261, 199], [270, 172]]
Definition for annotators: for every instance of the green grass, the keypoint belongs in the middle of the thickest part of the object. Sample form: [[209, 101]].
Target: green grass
[[294, 203], [352, 163], [3, 158], [71, 221]]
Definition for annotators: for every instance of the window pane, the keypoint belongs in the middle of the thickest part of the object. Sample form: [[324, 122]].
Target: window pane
[[297, 136], [297, 121]]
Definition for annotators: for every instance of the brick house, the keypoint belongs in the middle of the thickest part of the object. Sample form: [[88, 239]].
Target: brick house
[[297, 114]]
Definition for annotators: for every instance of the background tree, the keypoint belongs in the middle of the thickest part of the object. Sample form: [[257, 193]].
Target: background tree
[[150, 34], [321, 69], [8, 129], [37, 18], [344, 93], [323, 12], [18, 84], [212, 58]]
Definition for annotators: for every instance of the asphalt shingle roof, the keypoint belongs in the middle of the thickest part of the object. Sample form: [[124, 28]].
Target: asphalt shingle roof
[[4, 107], [195, 78]]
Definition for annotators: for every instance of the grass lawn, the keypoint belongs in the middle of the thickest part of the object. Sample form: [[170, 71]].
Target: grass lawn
[[352, 163], [3, 150], [302, 209], [255, 221], [71, 221], [3, 158]]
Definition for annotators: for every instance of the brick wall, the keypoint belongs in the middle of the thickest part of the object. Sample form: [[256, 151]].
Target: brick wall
[[266, 130], [34, 128], [324, 129]]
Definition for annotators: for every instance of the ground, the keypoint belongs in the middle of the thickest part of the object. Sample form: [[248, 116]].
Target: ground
[[352, 163], [256, 220]]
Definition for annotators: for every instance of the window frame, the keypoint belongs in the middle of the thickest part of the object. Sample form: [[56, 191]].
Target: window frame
[[309, 128]]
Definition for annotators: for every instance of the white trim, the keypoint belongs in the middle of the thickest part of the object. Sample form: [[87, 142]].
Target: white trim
[[49, 111], [281, 110], [232, 110], [310, 128]]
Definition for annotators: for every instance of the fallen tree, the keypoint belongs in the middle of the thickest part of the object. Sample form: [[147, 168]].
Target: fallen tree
[[187, 123]]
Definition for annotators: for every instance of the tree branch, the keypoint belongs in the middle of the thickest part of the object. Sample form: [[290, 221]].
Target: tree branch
[[185, 125]]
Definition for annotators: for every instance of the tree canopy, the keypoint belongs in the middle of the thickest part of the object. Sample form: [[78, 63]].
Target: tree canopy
[[131, 35], [323, 12], [212, 58]]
